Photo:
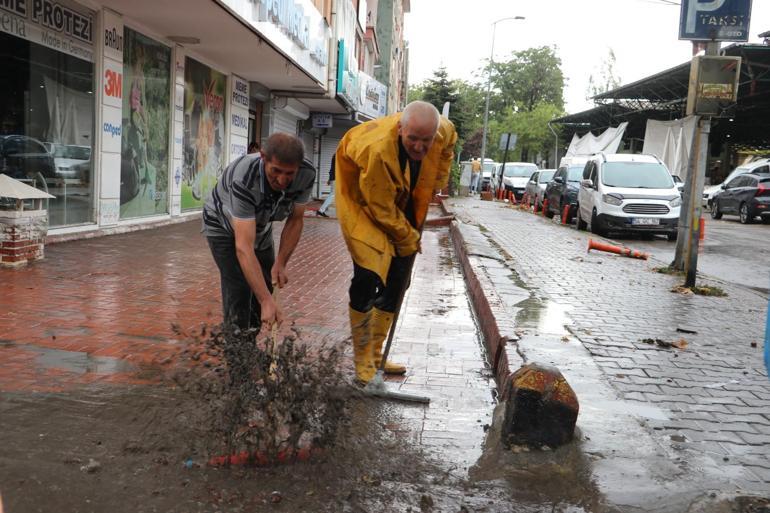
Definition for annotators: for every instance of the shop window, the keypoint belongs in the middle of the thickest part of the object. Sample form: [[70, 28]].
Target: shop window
[[144, 159], [47, 124]]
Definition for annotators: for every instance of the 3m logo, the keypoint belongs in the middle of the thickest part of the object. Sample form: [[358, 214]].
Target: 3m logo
[[113, 83]]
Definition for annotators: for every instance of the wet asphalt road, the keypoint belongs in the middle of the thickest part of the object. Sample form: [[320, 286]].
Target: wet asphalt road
[[732, 252]]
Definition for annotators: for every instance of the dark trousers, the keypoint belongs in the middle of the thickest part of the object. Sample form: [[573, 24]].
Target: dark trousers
[[239, 304], [367, 290]]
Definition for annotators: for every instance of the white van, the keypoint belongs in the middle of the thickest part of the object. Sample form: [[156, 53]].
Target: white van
[[628, 193]]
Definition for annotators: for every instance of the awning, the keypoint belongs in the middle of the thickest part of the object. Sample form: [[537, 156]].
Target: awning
[[224, 40]]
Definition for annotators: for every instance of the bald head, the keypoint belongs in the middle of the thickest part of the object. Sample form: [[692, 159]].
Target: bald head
[[417, 127]]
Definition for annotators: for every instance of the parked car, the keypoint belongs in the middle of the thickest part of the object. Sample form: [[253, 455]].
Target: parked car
[[628, 193], [67, 158], [563, 189], [679, 183], [24, 157], [515, 176], [747, 195], [757, 166], [536, 186]]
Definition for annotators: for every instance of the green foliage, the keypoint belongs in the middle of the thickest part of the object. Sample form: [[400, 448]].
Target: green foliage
[[531, 128], [531, 77], [454, 178]]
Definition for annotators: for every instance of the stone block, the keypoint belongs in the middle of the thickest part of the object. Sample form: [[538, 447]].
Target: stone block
[[540, 407]]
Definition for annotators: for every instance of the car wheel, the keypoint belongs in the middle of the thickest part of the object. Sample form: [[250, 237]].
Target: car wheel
[[744, 214], [672, 236], [581, 225], [596, 227], [547, 212], [715, 212]]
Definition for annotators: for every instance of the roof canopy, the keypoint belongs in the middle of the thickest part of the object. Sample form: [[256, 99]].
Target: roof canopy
[[14, 189]]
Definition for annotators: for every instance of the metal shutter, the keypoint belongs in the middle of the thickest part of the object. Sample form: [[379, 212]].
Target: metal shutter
[[328, 147], [284, 122]]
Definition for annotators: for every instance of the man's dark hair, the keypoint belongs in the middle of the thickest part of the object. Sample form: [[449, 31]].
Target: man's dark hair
[[284, 148], [253, 147]]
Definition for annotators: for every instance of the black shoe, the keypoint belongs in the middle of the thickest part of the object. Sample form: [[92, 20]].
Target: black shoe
[[322, 214]]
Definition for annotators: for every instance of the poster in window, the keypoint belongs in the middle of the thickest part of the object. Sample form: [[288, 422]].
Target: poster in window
[[204, 132], [146, 113]]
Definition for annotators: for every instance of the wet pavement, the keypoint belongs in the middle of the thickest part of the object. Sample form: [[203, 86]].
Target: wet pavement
[[663, 423], [82, 334], [731, 252]]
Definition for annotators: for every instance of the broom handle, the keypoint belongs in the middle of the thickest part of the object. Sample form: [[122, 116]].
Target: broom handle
[[401, 296]]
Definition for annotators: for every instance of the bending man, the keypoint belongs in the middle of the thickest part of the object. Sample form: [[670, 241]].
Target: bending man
[[387, 172], [238, 217]]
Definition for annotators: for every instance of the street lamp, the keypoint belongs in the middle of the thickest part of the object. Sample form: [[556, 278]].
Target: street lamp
[[489, 86]]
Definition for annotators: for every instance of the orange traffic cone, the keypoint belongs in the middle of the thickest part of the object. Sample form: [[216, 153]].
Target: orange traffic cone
[[545, 207], [631, 253], [702, 234], [565, 214]]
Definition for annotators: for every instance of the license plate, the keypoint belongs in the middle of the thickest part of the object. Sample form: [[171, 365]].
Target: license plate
[[645, 221]]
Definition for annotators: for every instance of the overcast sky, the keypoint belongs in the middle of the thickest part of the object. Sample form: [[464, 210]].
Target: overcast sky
[[642, 33]]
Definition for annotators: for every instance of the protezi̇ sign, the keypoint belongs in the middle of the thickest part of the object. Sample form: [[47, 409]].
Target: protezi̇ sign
[[715, 20], [54, 24]]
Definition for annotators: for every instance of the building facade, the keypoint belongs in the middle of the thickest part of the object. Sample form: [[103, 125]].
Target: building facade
[[128, 111]]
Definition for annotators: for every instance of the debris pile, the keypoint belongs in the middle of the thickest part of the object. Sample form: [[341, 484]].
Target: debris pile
[[261, 401]]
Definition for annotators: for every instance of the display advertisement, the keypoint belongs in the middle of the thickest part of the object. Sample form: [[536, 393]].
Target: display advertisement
[[146, 112], [58, 25], [204, 131], [294, 26]]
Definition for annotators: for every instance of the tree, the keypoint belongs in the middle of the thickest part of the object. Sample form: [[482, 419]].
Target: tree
[[532, 77], [606, 78], [531, 129]]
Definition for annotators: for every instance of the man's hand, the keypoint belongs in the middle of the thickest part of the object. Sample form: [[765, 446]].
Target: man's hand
[[271, 312], [278, 275]]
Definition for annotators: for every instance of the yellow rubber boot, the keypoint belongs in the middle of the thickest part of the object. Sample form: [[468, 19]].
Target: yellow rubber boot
[[363, 357], [380, 326]]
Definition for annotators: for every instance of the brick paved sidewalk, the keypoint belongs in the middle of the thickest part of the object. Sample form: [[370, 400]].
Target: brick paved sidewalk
[[708, 404], [99, 311]]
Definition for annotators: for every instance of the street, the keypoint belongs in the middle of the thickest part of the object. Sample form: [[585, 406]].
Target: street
[[731, 251]]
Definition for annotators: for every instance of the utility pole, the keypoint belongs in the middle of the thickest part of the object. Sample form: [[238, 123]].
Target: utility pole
[[686, 258]]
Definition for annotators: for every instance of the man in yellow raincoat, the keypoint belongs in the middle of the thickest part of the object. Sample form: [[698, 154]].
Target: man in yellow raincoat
[[387, 172]]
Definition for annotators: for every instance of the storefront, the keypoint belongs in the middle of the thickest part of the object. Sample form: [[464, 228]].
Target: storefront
[[47, 103], [128, 111]]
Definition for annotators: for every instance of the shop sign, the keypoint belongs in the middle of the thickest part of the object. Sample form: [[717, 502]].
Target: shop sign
[[373, 96], [715, 20], [240, 92], [53, 24], [112, 129], [109, 211], [113, 83], [296, 27], [322, 120], [113, 36]]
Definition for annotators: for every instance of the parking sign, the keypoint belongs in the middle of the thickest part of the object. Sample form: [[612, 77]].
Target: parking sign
[[715, 20]]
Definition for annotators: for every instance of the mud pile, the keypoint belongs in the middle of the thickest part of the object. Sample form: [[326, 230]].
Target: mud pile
[[257, 400]]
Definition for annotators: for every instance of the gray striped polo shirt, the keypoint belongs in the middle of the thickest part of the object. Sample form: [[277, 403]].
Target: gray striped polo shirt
[[242, 192]]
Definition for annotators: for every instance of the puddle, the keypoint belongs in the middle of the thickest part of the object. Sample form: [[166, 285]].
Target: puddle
[[79, 362], [543, 316]]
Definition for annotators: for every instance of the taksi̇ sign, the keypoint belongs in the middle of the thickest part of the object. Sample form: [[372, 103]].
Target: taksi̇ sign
[[715, 20]]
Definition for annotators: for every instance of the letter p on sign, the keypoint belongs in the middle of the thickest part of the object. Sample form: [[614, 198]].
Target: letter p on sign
[[696, 6]]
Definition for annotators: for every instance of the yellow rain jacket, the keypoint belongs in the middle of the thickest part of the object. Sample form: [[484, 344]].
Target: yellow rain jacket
[[372, 192]]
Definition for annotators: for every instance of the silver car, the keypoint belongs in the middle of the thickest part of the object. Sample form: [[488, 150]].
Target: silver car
[[535, 189]]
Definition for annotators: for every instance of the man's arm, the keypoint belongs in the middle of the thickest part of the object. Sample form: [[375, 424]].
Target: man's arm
[[289, 239], [245, 234]]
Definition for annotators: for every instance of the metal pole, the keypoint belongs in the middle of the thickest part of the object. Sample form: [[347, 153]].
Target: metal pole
[[486, 104], [505, 157], [696, 202], [555, 146], [489, 87]]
